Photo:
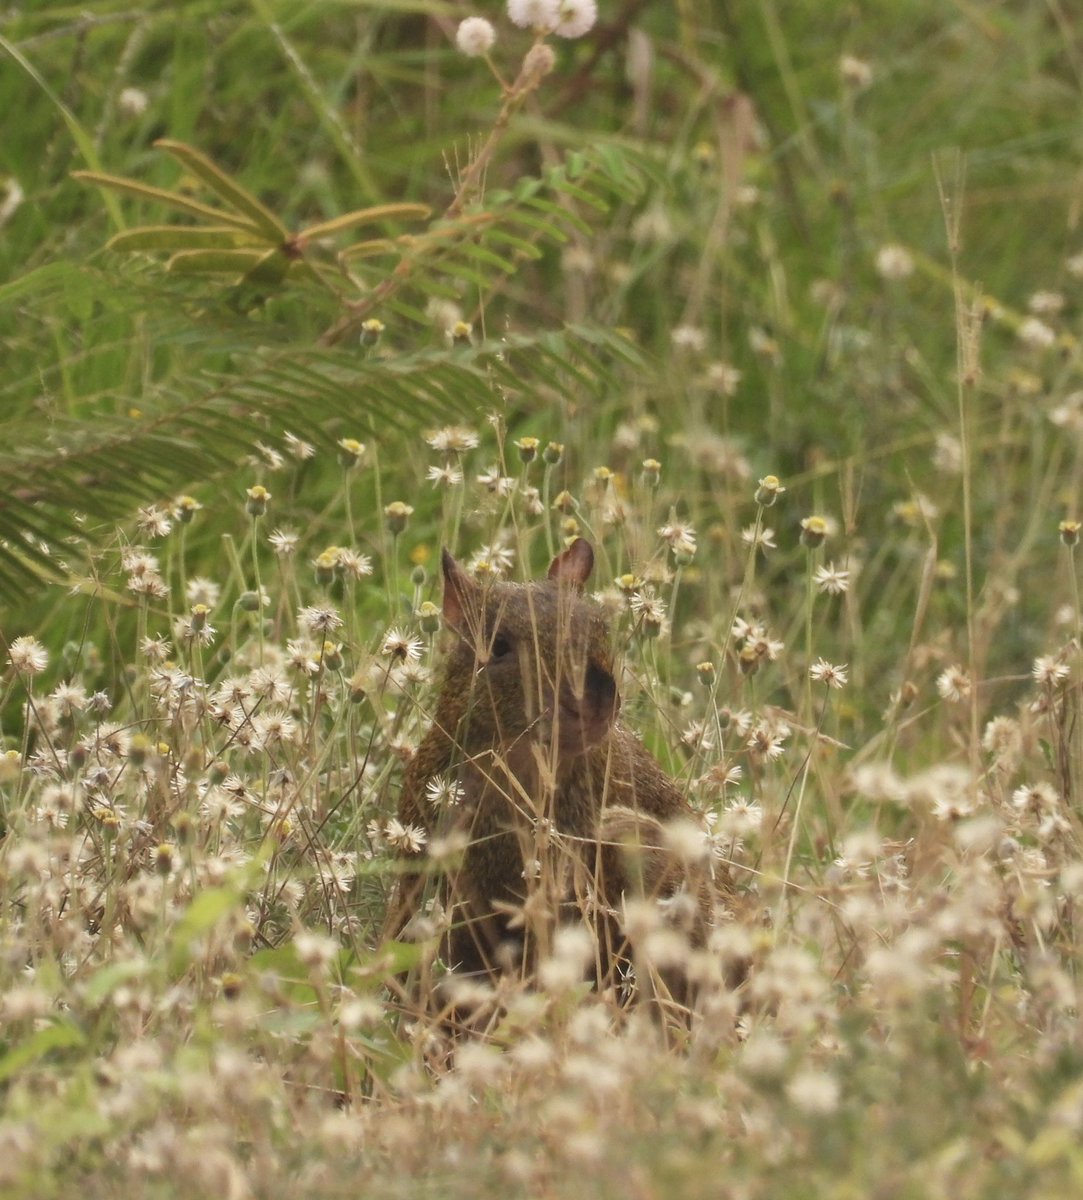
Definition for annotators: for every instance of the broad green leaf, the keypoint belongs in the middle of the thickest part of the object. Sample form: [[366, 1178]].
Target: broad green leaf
[[293, 976], [545, 228], [34, 281], [200, 917], [215, 262], [62, 1035], [282, 961], [580, 193], [271, 269], [520, 245], [144, 191], [370, 249], [393, 958], [226, 188], [107, 979], [367, 216], [181, 237]]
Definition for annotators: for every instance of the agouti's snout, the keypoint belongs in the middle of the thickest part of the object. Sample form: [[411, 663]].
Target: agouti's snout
[[600, 691], [587, 713]]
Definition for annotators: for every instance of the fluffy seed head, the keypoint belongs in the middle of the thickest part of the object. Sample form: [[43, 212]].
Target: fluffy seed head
[[534, 14], [475, 36]]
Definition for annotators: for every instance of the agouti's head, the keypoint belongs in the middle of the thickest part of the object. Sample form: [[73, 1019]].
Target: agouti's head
[[533, 659]]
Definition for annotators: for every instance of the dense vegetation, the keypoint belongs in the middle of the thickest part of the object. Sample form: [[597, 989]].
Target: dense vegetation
[[778, 305]]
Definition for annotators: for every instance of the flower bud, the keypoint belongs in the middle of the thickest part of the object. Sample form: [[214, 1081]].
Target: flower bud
[[257, 500], [165, 856], [768, 491], [428, 616], [397, 517], [813, 532], [185, 509], [349, 452], [371, 330]]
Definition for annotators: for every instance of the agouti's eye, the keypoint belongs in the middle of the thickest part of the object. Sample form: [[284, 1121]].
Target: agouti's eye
[[500, 648]]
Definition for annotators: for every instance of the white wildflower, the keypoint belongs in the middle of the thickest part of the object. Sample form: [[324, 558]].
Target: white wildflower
[[1049, 671], [444, 791], [534, 14], [759, 539], [954, 684], [894, 262], [402, 647], [814, 1092], [133, 101], [575, 17], [831, 579], [475, 36], [28, 656], [1036, 334], [825, 672], [410, 838], [319, 620]]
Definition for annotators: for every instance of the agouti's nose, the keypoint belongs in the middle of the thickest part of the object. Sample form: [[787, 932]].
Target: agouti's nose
[[600, 691]]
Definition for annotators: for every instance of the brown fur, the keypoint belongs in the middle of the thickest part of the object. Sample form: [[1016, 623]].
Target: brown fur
[[526, 720]]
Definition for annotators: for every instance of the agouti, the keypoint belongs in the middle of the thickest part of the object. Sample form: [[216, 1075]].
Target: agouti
[[565, 811]]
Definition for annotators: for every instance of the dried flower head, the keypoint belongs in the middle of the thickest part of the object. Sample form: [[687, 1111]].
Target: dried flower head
[[153, 521], [681, 538], [28, 656], [759, 538], [284, 541], [444, 791], [411, 838], [1050, 670], [452, 439], [828, 673], [319, 620], [402, 647], [954, 684]]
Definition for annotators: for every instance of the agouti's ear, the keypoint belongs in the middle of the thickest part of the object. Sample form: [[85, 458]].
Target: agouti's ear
[[459, 590], [573, 565]]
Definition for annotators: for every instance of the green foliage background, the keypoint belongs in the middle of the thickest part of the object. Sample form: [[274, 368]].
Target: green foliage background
[[124, 384], [709, 172]]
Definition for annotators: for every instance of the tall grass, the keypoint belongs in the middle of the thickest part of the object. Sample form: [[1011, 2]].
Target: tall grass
[[824, 433]]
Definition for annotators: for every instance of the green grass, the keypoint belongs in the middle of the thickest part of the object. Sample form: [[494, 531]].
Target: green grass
[[677, 255]]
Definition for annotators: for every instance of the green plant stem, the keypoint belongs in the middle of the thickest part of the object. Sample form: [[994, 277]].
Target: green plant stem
[[526, 82], [258, 588]]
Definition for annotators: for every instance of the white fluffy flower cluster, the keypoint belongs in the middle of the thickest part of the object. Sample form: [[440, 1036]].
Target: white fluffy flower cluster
[[475, 36], [565, 18]]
